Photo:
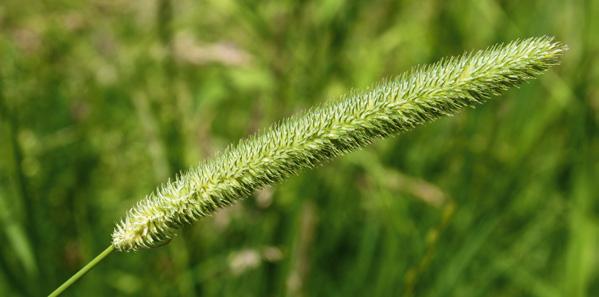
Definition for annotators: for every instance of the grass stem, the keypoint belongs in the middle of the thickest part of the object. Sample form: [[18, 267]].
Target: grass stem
[[82, 271]]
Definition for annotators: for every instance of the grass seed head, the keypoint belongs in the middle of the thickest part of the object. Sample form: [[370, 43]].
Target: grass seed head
[[327, 131]]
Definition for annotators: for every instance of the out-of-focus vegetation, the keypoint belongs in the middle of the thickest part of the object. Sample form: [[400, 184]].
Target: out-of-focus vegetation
[[100, 101]]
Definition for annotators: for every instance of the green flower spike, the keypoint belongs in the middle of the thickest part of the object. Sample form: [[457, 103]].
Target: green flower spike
[[330, 130]]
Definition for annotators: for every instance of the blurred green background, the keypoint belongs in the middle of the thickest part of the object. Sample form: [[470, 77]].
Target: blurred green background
[[100, 101]]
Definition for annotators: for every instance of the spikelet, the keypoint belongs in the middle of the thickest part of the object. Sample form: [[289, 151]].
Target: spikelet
[[330, 130]]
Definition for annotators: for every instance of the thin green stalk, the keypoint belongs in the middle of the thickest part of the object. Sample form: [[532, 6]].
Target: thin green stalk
[[82, 271]]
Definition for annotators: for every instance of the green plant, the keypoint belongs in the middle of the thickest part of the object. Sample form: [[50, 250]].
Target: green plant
[[325, 132]]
